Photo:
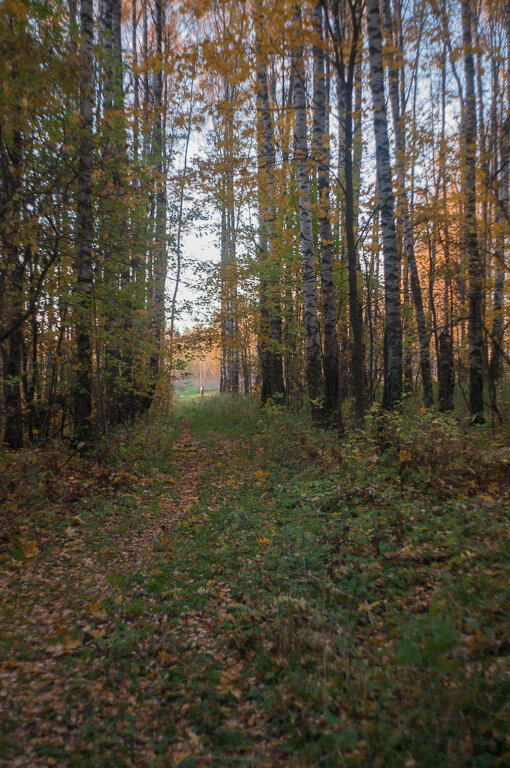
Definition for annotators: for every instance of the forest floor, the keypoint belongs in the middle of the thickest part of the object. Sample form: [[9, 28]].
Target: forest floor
[[237, 588]]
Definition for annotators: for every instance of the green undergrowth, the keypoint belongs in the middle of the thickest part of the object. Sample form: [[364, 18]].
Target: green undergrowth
[[312, 599], [369, 587]]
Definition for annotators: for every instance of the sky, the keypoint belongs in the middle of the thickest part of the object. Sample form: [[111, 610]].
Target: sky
[[199, 248]]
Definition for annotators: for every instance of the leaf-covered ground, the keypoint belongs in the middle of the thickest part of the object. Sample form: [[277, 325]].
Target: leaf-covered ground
[[246, 591]]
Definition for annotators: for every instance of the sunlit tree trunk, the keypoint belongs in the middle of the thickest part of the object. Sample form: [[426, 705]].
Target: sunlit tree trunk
[[446, 379], [393, 325]]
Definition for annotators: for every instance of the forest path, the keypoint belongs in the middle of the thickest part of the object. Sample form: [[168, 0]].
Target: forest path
[[249, 591], [106, 650]]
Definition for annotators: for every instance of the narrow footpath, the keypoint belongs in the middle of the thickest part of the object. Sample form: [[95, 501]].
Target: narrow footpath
[[236, 589]]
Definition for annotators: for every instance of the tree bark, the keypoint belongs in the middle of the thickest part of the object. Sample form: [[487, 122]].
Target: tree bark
[[346, 60], [229, 381], [322, 159], [84, 232], [160, 249], [446, 371], [311, 321], [12, 359], [496, 361], [270, 337], [393, 325], [423, 334], [475, 269]]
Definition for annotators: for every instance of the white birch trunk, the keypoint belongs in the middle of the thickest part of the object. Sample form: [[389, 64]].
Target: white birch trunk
[[322, 160], [311, 320], [393, 328], [423, 334]]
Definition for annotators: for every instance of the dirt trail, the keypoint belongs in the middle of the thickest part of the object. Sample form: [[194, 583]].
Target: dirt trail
[[188, 461], [88, 646]]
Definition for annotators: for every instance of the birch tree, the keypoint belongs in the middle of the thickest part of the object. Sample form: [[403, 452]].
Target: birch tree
[[311, 321], [346, 35], [395, 74], [393, 324], [502, 219]]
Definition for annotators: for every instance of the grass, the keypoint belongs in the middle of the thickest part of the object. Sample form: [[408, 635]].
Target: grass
[[290, 598], [186, 392], [371, 588]]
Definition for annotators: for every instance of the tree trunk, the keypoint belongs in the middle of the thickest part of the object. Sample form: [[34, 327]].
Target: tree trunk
[[347, 73], [136, 80], [393, 326], [423, 334], [407, 335], [229, 322], [446, 371], [475, 269], [270, 337], [504, 212], [311, 320], [322, 158], [160, 250], [12, 359], [84, 232], [113, 228], [448, 294], [12, 269]]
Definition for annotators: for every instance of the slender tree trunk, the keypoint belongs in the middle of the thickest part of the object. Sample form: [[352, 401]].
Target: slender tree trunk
[[337, 32], [160, 250], [85, 224], [407, 334], [357, 139], [423, 334], [270, 338], [229, 322], [178, 249], [311, 320], [11, 278], [12, 359], [136, 80], [444, 398], [445, 371], [114, 226], [475, 269], [393, 327], [504, 212], [145, 52], [346, 59], [322, 158]]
